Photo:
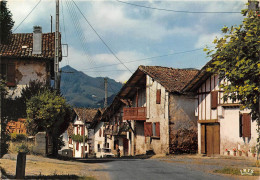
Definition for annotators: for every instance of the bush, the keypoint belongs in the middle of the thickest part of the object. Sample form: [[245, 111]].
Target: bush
[[77, 138], [18, 137], [23, 147]]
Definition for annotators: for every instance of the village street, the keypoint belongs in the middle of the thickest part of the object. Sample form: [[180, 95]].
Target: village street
[[164, 167]]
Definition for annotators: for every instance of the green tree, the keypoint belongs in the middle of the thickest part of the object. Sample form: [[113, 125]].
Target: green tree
[[48, 111], [236, 58], [6, 22]]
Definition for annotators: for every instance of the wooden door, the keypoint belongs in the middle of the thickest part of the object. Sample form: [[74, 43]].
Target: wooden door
[[210, 139], [125, 145]]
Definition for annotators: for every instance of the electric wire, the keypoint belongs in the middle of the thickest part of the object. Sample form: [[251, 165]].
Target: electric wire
[[148, 58], [111, 51], [177, 11], [27, 15]]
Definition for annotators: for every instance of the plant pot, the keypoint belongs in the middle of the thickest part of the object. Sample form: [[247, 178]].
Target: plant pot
[[240, 153], [253, 155], [246, 154], [235, 153]]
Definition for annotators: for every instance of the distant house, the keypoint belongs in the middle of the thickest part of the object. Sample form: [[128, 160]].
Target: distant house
[[78, 130], [97, 136], [222, 127], [28, 57], [152, 114]]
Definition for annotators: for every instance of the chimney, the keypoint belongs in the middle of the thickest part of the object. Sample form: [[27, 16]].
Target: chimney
[[37, 40]]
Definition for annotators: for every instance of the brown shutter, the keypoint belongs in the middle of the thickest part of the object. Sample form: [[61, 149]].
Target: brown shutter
[[82, 130], [86, 148], [157, 129], [148, 129], [158, 96], [246, 120], [100, 132], [214, 99], [103, 132], [10, 75], [203, 139]]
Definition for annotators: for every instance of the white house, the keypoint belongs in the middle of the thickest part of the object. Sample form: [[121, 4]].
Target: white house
[[222, 127], [79, 131]]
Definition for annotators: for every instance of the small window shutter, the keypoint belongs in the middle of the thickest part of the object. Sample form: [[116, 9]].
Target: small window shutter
[[157, 129], [86, 148], [148, 129], [103, 132], [214, 99], [158, 96], [82, 130], [246, 119], [100, 132], [10, 75], [240, 126]]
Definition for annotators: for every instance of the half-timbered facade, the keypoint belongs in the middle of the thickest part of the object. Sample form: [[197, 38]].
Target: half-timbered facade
[[222, 127]]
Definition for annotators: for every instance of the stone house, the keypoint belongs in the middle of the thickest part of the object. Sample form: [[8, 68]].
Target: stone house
[[222, 127], [28, 57], [151, 113]]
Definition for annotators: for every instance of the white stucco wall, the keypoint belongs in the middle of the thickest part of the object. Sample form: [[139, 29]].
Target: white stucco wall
[[97, 139]]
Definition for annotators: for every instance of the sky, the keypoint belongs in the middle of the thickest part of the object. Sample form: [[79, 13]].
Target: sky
[[111, 39]]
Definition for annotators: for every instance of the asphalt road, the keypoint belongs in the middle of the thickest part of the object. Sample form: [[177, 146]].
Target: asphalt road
[[153, 169]]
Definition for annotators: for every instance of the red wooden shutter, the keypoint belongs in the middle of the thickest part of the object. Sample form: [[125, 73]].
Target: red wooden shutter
[[158, 96], [86, 148], [77, 130], [10, 75], [214, 99], [70, 141], [148, 129], [103, 132], [246, 120], [77, 146], [157, 129], [82, 130], [100, 132]]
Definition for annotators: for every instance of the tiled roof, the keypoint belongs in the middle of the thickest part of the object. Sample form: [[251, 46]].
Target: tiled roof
[[21, 45], [86, 114], [174, 80]]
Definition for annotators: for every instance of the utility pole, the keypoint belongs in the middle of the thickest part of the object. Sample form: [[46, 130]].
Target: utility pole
[[83, 120], [105, 102], [0, 94], [57, 47]]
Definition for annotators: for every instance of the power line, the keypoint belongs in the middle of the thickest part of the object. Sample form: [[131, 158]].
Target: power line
[[101, 38], [148, 58], [27, 15], [176, 11]]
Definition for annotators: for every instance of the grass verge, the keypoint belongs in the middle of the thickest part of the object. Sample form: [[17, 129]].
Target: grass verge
[[235, 171]]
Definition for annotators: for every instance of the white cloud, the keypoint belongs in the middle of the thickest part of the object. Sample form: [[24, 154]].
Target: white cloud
[[206, 39]]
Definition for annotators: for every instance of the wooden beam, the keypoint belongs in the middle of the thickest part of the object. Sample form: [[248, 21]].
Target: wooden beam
[[208, 121]]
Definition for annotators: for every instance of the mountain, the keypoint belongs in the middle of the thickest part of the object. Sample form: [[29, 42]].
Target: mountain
[[81, 90]]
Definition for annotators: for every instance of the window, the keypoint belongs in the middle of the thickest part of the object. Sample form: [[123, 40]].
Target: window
[[77, 146], [70, 140], [214, 99], [245, 125], [156, 129], [86, 148], [98, 147], [8, 73], [100, 133], [158, 96], [152, 129]]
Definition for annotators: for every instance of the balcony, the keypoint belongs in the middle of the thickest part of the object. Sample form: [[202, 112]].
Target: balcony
[[135, 113]]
